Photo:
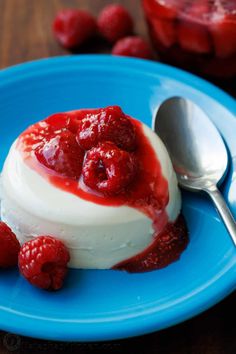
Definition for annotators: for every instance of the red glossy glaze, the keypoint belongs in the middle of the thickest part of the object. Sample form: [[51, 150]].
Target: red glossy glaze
[[148, 192]]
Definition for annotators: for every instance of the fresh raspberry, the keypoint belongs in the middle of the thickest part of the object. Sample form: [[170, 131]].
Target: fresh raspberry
[[73, 27], [132, 46], [166, 248], [108, 169], [43, 262], [62, 154], [9, 247], [115, 22], [110, 124]]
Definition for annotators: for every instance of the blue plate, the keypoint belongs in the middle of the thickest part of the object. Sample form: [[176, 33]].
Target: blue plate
[[103, 305]]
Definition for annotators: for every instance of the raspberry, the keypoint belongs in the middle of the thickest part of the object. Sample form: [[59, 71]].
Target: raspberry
[[110, 124], [62, 154], [43, 262], [73, 27], [132, 46], [9, 247], [108, 169], [114, 22]]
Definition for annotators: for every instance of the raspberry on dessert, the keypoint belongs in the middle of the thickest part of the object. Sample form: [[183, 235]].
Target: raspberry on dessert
[[110, 124], [62, 154], [9, 247], [43, 262], [73, 27], [108, 169], [166, 249], [133, 46], [115, 22]]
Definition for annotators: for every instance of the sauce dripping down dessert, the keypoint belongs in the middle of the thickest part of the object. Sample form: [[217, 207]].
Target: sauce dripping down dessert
[[101, 182]]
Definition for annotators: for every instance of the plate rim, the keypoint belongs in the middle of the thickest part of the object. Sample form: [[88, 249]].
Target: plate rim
[[121, 329]]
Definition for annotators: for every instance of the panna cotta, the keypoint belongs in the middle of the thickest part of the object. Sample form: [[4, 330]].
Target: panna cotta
[[101, 182]]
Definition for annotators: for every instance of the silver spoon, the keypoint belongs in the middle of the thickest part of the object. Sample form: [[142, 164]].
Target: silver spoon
[[197, 151]]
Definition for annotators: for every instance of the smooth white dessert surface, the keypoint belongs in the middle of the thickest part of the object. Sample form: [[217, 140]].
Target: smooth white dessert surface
[[97, 236]]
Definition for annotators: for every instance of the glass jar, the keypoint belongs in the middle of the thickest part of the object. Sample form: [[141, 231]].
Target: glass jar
[[198, 35]]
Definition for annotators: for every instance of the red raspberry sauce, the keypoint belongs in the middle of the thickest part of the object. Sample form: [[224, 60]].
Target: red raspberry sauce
[[165, 249], [148, 192]]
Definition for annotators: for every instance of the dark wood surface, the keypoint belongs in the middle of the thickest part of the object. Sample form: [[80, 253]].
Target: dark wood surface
[[25, 34]]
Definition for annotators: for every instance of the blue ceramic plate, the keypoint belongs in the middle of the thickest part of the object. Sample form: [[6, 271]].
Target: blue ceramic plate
[[103, 305]]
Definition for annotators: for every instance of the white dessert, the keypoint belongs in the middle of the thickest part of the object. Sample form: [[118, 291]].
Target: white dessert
[[97, 236]]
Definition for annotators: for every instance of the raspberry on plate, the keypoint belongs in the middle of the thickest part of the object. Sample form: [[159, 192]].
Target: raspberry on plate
[[43, 262], [73, 27], [110, 124], [62, 154], [9, 247], [108, 169], [133, 46], [115, 22]]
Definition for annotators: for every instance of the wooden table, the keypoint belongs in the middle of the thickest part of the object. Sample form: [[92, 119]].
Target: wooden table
[[25, 34]]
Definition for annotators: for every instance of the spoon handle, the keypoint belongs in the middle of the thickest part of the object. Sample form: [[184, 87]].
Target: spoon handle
[[223, 211]]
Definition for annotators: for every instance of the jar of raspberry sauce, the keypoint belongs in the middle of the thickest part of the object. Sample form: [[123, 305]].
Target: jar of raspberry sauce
[[198, 35]]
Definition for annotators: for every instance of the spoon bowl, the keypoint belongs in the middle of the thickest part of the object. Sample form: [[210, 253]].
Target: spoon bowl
[[197, 151], [196, 148]]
